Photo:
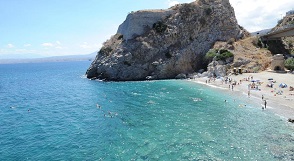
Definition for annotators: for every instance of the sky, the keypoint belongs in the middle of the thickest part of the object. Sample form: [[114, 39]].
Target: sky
[[41, 28]]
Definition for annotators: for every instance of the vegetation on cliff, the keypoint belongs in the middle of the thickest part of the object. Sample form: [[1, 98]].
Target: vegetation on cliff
[[289, 63], [218, 54]]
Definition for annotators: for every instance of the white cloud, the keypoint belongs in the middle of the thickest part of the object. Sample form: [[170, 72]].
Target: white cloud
[[47, 44], [172, 3], [255, 15], [27, 45], [21, 51], [86, 45], [56, 45], [262, 14], [10, 45]]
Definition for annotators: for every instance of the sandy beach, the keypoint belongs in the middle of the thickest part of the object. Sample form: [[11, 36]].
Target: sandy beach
[[279, 100]]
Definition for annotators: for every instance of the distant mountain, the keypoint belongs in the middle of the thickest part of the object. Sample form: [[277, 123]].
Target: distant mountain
[[21, 56], [261, 32], [89, 57]]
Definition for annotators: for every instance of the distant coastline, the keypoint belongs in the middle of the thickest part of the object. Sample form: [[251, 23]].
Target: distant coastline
[[89, 57]]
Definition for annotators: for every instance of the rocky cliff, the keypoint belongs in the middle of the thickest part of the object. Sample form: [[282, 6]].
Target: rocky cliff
[[161, 44], [284, 46], [288, 42]]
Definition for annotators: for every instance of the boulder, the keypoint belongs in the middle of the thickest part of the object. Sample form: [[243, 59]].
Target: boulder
[[217, 69], [181, 76]]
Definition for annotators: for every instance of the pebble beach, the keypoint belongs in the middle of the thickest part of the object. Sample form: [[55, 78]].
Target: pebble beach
[[279, 100]]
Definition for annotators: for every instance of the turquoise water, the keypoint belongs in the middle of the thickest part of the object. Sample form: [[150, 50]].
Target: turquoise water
[[49, 111]]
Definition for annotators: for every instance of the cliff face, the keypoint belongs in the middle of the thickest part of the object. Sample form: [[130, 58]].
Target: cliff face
[[284, 46], [160, 44], [288, 42], [137, 23]]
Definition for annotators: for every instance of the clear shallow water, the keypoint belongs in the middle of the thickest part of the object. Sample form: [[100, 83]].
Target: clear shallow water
[[48, 111]]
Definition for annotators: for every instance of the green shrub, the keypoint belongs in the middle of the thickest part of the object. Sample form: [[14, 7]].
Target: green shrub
[[224, 54], [220, 55], [289, 63], [221, 51], [210, 55], [159, 27], [260, 43], [256, 69]]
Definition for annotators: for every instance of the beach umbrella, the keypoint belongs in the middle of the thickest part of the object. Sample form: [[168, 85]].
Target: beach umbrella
[[253, 80], [283, 85]]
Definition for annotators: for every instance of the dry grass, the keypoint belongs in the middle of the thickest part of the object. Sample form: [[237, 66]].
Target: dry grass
[[258, 59]]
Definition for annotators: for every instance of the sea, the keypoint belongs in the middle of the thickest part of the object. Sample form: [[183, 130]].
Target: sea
[[51, 111]]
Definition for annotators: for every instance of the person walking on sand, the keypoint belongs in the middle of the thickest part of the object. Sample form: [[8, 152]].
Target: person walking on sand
[[265, 103], [248, 93], [262, 97]]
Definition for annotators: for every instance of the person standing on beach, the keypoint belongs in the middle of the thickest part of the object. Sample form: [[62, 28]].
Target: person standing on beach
[[262, 97], [265, 103], [248, 93]]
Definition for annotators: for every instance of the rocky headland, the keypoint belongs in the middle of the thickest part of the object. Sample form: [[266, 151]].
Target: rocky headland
[[165, 44]]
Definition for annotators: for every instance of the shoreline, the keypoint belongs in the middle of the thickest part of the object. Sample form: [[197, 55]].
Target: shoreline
[[279, 100]]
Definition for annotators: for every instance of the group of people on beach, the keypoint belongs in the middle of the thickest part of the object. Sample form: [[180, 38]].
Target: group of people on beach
[[232, 83]]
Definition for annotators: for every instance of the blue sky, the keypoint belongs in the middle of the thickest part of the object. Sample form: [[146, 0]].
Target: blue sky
[[33, 28]]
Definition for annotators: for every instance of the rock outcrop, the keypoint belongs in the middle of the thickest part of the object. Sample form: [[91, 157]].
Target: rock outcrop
[[247, 55], [137, 23], [161, 44], [288, 42], [217, 69], [285, 44]]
